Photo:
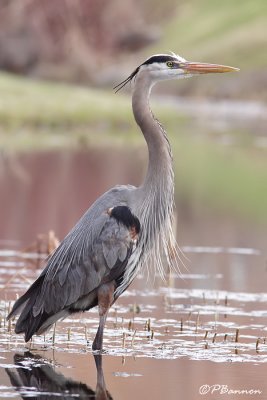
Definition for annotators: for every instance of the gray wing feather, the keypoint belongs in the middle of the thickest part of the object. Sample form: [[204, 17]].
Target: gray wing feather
[[86, 256]]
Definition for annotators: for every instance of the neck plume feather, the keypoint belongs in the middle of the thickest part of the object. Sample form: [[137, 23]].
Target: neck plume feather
[[154, 200]]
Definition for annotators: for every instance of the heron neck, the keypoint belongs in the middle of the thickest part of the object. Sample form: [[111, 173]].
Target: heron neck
[[152, 202], [159, 171]]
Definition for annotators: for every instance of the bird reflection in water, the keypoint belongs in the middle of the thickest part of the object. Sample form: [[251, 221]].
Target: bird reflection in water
[[34, 376]]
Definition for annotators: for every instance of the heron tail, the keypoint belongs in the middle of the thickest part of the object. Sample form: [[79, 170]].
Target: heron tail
[[27, 322]]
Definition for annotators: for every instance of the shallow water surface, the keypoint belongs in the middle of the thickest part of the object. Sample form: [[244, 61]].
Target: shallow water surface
[[199, 335]]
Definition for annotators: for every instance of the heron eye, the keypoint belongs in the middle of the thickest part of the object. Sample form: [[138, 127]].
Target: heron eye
[[170, 64]]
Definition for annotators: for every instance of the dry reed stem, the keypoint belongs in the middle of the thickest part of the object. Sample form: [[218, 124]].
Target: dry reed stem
[[16, 275], [237, 335], [54, 334], [9, 308], [216, 318], [116, 318], [197, 322], [9, 326], [9, 281], [135, 309], [148, 325], [166, 301], [133, 338], [123, 339]]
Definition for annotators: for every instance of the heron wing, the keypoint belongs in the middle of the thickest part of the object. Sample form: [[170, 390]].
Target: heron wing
[[91, 254]]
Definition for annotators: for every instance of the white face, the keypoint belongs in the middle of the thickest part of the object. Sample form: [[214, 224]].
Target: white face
[[165, 70]]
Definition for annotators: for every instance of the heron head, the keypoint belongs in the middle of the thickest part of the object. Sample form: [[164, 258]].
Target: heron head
[[164, 66]]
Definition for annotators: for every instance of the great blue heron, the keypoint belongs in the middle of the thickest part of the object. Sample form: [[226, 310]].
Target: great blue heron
[[102, 254]]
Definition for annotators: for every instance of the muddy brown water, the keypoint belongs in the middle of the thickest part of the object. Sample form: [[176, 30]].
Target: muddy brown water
[[197, 335], [191, 342]]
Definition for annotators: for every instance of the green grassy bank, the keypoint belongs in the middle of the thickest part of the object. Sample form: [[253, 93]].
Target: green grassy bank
[[231, 31], [36, 115]]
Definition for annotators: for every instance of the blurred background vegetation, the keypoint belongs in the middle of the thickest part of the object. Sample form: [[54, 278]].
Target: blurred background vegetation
[[60, 59]]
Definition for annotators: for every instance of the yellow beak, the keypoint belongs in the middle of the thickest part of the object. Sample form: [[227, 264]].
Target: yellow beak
[[204, 68]]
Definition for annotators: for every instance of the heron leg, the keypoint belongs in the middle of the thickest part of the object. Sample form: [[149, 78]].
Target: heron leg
[[105, 298]]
